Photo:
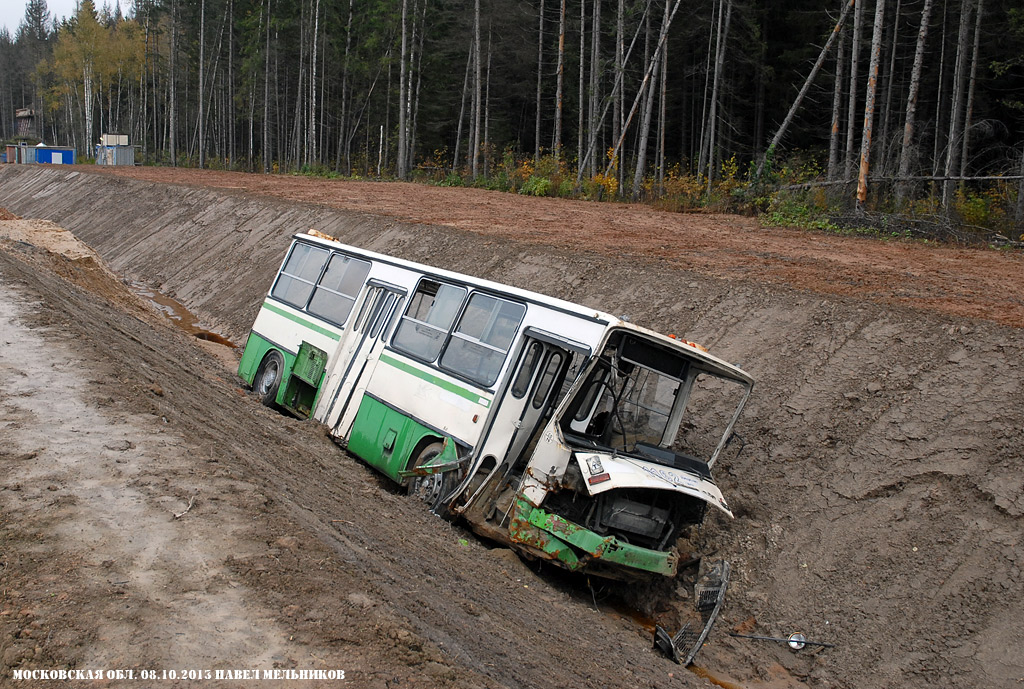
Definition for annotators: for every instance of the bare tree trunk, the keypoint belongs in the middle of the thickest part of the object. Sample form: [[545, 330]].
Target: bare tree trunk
[[280, 145], [419, 80], [144, 92], [266, 96], [618, 92], [344, 136], [462, 108], [595, 82], [645, 124], [723, 37], [662, 98], [477, 85], [956, 113], [201, 140], [312, 149], [644, 84], [172, 124], [487, 106], [883, 157], [937, 145], [401, 170], [560, 71], [803, 90], [851, 112], [297, 139], [614, 152], [202, 83], [702, 157], [970, 91], [231, 83], [869, 104], [540, 75], [906, 149], [837, 107], [582, 82]]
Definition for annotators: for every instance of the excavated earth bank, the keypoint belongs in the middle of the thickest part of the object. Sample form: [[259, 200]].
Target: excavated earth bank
[[879, 496]]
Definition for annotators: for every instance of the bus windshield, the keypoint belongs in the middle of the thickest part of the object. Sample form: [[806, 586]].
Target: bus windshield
[[642, 398]]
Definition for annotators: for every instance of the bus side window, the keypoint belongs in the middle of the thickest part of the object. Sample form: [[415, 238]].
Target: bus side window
[[424, 327], [299, 274], [529, 364], [551, 368], [479, 346], [337, 290]]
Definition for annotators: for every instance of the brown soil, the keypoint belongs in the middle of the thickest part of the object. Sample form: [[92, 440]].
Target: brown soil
[[964, 282], [155, 517], [878, 497]]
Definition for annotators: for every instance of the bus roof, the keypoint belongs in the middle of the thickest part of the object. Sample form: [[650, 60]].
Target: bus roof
[[709, 362]]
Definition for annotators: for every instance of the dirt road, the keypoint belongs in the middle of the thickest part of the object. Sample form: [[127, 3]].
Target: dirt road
[[878, 497]]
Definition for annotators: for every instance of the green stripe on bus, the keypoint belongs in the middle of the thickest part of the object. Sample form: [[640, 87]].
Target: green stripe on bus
[[474, 397], [301, 321]]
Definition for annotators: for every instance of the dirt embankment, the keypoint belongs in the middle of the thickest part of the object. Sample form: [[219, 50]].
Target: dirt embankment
[[879, 499]]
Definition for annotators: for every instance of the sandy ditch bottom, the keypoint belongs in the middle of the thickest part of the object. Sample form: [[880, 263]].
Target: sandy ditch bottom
[[124, 513]]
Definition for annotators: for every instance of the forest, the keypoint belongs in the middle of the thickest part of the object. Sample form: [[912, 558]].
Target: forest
[[811, 113]]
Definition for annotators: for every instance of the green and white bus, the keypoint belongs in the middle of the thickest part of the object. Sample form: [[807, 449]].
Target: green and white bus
[[563, 432]]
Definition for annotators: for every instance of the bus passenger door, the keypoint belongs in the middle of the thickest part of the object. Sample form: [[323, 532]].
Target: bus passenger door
[[357, 353], [535, 389]]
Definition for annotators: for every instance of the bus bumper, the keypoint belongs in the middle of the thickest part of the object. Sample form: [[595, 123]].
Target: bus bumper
[[575, 547]]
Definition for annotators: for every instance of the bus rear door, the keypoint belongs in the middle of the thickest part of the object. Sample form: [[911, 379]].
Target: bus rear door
[[357, 354]]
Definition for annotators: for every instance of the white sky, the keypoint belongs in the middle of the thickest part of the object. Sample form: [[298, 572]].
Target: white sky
[[13, 11]]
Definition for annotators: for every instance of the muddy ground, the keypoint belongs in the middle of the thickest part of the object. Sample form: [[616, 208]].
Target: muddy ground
[[879, 496]]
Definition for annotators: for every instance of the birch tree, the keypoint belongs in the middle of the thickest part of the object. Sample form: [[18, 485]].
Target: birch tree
[[851, 113], [906, 147], [971, 84], [77, 57], [560, 78], [402, 163], [869, 105], [956, 119], [540, 81], [837, 104]]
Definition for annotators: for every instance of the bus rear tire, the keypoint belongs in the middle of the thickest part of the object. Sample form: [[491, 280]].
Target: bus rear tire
[[268, 379], [434, 488]]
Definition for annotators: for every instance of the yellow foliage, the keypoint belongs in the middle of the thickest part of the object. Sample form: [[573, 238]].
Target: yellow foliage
[[608, 183]]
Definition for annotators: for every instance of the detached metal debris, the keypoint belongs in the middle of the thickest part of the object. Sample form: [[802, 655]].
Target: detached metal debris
[[709, 595], [795, 641]]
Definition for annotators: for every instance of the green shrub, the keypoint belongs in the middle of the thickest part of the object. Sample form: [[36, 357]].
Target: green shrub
[[536, 186], [453, 179]]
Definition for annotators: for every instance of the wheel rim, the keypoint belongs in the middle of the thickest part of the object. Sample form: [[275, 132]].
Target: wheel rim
[[428, 488], [271, 371]]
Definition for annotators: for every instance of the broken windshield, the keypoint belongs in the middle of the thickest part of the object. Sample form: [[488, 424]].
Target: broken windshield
[[644, 398]]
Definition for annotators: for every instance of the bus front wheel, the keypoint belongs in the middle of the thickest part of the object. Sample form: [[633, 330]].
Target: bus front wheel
[[268, 379], [434, 488]]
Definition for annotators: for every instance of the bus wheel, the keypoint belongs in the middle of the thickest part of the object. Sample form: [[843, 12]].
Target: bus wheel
[[268, 379], [434, 488]]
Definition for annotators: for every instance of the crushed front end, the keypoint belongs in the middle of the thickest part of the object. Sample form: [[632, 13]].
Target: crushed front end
[[624, 467]]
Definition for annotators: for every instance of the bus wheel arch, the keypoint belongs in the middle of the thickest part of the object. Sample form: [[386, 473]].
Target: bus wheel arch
[[433, 488], [269, 375]]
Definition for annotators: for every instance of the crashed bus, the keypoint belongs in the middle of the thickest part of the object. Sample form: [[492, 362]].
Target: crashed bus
[[566, 433]]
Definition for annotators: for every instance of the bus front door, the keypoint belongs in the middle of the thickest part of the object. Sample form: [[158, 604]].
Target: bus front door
[[356, 355], [534, 390]]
